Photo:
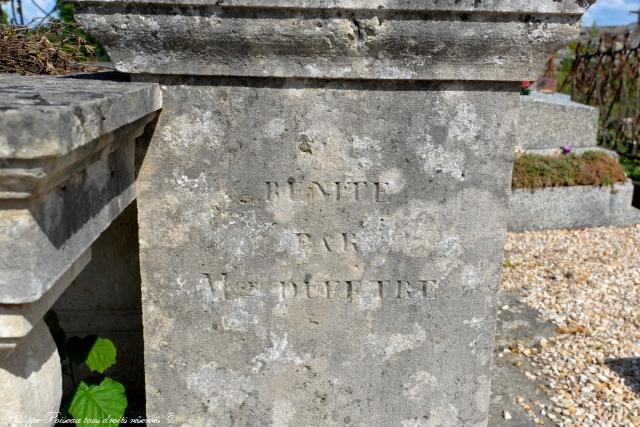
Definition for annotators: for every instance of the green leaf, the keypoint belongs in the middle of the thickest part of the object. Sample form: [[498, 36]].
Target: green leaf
[[105, 402], [99, 354], [102, 355]]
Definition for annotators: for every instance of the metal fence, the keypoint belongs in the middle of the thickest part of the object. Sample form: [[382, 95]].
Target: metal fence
[[606, 74], [18, 16]]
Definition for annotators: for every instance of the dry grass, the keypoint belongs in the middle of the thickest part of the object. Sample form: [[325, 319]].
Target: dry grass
[[54, 48]]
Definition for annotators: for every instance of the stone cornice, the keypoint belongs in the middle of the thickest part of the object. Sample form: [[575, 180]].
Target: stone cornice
[[505, 40], [494, 6]]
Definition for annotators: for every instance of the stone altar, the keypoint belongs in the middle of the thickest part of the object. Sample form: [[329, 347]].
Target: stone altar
[[323, 205]]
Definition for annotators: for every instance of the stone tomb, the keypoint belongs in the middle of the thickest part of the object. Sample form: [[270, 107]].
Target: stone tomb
[[323, 206]]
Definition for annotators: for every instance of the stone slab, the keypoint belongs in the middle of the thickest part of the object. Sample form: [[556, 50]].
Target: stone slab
[[393, 40], [552, 121], [46, 116], [516, 323], [67, 169], [572, 207]]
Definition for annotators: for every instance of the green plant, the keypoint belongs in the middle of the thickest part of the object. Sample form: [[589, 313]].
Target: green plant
[[632, 167], [97, 399]]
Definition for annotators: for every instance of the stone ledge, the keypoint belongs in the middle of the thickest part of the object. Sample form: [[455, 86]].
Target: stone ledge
[[403, 40], [572, 207], [46, 116], [67, 170]]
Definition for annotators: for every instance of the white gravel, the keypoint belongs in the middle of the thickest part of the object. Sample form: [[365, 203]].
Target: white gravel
[[587, 282]]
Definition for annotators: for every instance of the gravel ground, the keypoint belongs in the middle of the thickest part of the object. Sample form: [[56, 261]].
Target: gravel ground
[[587, 283]]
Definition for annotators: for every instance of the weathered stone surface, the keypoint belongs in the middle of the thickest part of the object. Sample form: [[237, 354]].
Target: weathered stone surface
[[30, 381], [67, 150], [552, 121], [572, 207], [320, 245], [499, 40], [323, 253]]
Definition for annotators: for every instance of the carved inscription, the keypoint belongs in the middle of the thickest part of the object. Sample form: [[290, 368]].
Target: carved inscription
[[327, 191], [331, 243], [345, 290]]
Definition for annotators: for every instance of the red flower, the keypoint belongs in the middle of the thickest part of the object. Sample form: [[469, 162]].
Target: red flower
[[526, 84]]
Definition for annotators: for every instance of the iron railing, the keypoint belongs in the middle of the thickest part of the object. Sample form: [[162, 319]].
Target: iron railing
[[606, 74]]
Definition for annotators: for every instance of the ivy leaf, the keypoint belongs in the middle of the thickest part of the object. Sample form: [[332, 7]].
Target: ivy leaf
[[99, 354], [102, 355], [105, 402]]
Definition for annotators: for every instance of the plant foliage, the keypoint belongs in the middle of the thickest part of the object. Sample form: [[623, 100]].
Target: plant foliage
[[97, 399], [99, 354], [106, 402]]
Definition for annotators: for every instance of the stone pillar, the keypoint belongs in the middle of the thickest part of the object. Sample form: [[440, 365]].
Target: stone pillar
[[67, 170], [323, 205]]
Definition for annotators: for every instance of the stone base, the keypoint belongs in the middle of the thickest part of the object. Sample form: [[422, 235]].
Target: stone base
[[572, 207], [31, 381]]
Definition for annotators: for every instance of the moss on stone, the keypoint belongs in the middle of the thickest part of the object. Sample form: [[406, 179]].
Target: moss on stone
[[594, 168]]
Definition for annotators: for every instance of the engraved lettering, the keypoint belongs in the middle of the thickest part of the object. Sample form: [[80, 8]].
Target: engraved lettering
[[382, 189], [330, 243], [273, 191], [336, 290], [328, 191]]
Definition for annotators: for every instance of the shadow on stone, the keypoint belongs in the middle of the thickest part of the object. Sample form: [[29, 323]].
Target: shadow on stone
[[517, 323], [37, 348], [89, 191], [105, 301], [629, 370]]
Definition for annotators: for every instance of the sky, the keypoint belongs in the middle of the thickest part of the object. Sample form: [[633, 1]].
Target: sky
[[604, 12], [612, 12]]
